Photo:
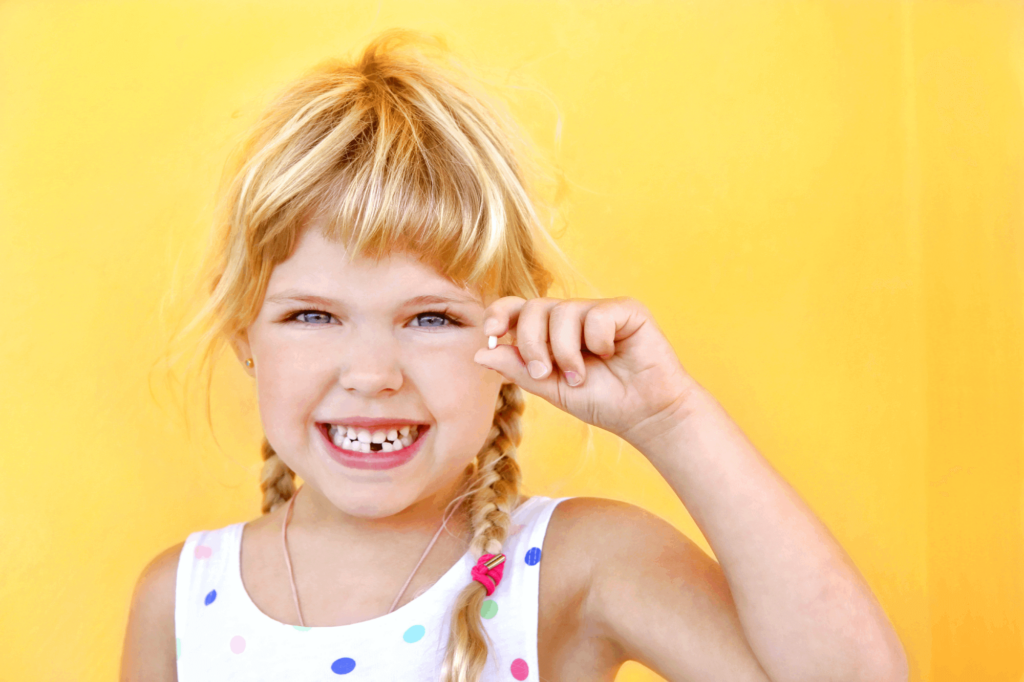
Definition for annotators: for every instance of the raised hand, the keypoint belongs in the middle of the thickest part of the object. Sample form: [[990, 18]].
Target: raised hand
[[604, 361]]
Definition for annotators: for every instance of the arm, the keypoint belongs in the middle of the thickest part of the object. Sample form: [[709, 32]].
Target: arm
[[804, 609], [150, 651], [795, 600]]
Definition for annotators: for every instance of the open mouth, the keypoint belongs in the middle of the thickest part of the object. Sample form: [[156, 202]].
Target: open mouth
[[356, 441]]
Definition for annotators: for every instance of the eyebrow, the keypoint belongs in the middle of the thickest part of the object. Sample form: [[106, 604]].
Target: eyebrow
[[303, 297]]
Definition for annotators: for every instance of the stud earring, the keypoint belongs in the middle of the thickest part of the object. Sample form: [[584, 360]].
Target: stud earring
[[249, 362]]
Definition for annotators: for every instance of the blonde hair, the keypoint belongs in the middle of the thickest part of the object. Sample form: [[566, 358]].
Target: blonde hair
[[390, 151]]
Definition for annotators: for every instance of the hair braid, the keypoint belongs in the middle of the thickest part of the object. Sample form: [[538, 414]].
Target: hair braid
[[277, 481], [497, 494]]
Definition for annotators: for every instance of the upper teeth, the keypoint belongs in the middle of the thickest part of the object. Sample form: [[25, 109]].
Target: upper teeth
[[359, 440]]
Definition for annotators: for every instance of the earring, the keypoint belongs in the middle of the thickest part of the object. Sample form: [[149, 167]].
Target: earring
[[249, 362]]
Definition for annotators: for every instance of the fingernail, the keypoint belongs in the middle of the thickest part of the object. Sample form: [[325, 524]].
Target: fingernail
[[537, 369], [490, 326], [573, 378]]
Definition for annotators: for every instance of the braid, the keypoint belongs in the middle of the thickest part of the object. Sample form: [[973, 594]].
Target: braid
[[497, 494], [277, 481]]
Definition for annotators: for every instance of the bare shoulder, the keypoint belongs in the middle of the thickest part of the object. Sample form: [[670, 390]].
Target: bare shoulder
[[614, 572], [592, 531], [150, 651], [612, 547]]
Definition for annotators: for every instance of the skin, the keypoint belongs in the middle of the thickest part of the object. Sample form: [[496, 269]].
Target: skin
[[785, 604]]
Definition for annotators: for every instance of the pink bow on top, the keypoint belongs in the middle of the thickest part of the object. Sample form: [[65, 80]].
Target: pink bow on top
[[488, 571]]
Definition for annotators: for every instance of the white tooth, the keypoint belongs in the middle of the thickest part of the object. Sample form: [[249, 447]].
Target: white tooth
[[352, 434], [364, 447], [393, 434], [363, 435], [346, 443], [404, 430], [406, 441], [386, 447], [336, 436], [378, 437]]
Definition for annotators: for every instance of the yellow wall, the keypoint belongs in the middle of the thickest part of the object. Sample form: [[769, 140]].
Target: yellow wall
[[820, 201]]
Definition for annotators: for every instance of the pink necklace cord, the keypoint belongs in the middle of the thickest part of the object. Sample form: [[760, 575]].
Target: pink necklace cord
[[287, 559], [444, 522], [419, 563]]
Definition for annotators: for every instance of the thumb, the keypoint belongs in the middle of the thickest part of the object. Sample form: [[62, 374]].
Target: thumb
[[506, 361]]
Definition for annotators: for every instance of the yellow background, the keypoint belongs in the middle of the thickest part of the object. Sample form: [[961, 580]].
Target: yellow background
[[820, 202]]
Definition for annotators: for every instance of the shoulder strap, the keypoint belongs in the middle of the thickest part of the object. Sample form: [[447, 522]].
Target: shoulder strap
[[205, 557]]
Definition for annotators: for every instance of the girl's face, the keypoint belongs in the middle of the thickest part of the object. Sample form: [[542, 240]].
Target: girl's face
[[393, 339]]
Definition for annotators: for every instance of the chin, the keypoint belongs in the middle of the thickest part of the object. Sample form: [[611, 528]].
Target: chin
[[372, 506], [366, 500]]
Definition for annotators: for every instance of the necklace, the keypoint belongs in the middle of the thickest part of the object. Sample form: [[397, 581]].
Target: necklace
[[291, 574]]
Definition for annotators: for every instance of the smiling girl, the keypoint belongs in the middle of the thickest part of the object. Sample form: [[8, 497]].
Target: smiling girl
[[379, 230]]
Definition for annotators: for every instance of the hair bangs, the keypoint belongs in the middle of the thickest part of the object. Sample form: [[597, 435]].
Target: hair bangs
[[404, 185]]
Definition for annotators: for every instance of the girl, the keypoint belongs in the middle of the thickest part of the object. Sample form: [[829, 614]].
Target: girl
[[379, 238]]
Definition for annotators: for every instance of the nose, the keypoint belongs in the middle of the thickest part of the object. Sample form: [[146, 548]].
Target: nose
[[370, 363]]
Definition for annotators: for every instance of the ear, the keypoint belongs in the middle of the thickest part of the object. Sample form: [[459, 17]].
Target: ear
[[240, 344]]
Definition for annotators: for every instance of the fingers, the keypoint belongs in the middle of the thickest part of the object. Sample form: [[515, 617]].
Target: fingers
[[564, 325], [566, 334], [600, 328], [532, 335], [501, 315]]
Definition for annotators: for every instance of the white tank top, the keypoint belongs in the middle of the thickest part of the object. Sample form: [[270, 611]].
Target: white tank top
[[222, 635]]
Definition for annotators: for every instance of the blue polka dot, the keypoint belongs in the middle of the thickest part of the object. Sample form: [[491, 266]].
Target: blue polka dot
[[210, 597], [343, 666], [533, 556], [414, 634]]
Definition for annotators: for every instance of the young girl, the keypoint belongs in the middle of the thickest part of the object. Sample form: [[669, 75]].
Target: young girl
[[379, 238]]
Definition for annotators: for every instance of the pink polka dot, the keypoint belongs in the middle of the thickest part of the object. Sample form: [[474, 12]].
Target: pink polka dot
[[203, 552], [238, 646], [519, 669]]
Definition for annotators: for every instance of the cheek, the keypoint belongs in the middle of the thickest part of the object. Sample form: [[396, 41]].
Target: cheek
[[460, 393], [286, 397]]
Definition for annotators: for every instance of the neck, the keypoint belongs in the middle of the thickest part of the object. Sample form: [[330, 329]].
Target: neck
[[315, 512]]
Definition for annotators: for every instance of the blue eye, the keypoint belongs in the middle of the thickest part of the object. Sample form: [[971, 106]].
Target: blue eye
[[310, 312], [437, 315], [433, 314]]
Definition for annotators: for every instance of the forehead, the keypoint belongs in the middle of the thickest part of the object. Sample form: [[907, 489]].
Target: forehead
[[321, 267]]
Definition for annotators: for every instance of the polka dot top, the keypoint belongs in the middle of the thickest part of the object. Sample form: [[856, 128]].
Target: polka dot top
[[222, 635]]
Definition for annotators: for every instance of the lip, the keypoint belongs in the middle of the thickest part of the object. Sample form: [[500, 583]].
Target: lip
[[373, 422], [373, 460]]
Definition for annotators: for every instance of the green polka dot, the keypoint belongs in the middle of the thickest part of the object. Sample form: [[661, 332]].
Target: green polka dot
[[489, 609], [300, 628], [177, 648]]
